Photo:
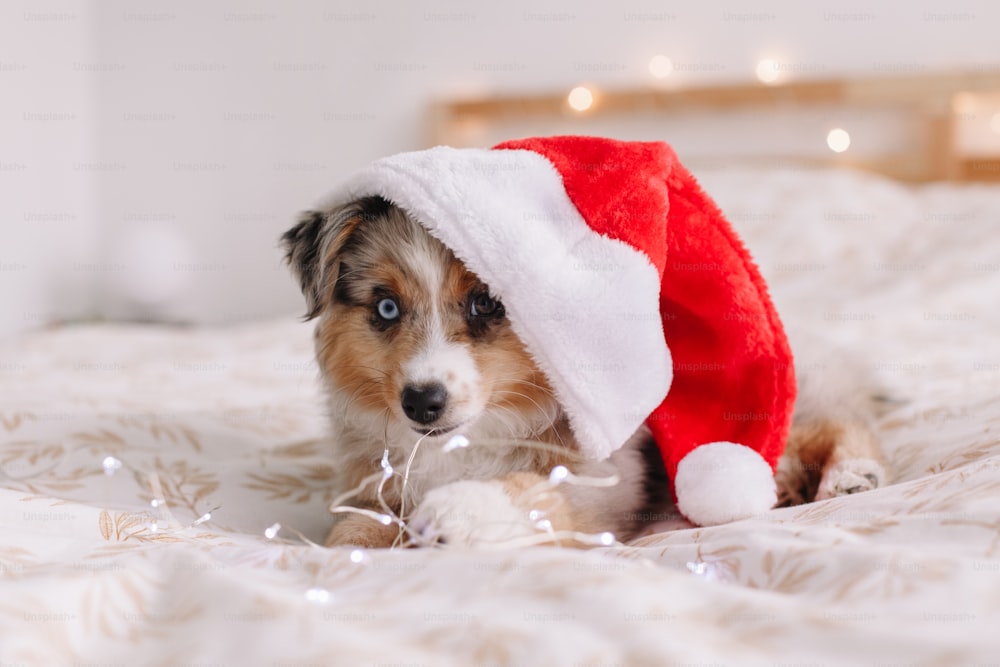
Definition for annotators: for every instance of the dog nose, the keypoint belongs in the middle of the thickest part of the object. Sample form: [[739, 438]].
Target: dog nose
[[424, 404]]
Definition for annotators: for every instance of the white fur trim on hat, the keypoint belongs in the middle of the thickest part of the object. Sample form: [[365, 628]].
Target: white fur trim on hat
[[585, 305], [722, 482]]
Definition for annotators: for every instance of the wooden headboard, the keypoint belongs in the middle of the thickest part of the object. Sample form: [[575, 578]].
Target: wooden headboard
[[912, 128]]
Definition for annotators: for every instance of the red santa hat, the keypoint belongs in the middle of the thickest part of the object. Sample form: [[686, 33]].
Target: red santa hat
[[632, 293]]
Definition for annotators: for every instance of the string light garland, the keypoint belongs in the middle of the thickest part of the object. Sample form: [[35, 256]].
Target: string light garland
[[541, 493], [111, 465], [167, 524]]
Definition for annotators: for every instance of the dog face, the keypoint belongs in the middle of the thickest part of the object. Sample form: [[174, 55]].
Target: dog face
[[407, 335]]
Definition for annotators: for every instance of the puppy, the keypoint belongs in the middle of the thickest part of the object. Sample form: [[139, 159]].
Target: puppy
[[423, 370]]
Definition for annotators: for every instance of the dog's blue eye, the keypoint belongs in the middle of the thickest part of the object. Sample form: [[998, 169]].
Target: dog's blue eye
[[387, 309]]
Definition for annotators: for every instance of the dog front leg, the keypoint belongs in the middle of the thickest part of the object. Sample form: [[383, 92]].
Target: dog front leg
[[565, 508]]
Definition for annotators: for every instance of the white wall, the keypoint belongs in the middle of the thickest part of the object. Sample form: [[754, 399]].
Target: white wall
[[211, 124], [48, 223]]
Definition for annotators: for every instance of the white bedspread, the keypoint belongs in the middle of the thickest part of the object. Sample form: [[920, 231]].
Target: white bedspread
[[225, 426]]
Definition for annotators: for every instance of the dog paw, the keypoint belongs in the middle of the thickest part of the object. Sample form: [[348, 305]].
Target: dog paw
[[792, 484], [468, 514], [849, 477], [362, 531], [791, 490]]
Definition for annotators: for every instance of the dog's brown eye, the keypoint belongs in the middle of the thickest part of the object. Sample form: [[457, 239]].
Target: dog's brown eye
[[482, 305]]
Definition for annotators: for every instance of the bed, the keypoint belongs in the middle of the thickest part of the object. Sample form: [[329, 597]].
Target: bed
[[161, 488]]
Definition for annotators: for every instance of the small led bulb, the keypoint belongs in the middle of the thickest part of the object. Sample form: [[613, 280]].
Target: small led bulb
[[111, 465], [386, 466], [767, 71], [456, 442], [701, 569], [580, 98], [838, 140], [558, 474], [318, 595], [660, 66]]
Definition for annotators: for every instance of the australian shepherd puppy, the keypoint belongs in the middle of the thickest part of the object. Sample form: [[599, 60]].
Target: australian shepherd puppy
[[445, 429]]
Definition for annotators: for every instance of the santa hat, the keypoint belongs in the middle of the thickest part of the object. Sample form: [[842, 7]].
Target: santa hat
[[632, 293]]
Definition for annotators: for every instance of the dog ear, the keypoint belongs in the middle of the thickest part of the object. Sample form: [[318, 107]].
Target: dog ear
[[314, 243], [303, 246]]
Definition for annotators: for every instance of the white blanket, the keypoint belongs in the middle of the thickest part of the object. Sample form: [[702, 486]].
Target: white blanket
[[142, 468]]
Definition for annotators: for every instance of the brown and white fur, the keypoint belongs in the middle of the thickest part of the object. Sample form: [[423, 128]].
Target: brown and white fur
[[413, 349]]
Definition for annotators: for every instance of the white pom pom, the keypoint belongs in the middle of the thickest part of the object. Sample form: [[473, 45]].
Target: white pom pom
[[722, 482]]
